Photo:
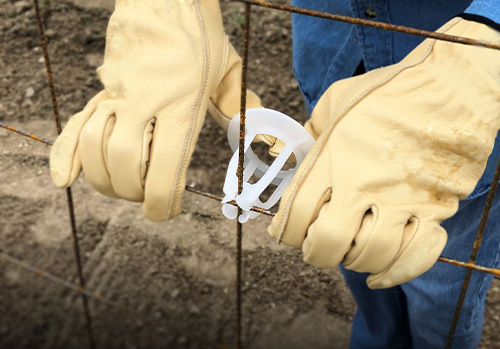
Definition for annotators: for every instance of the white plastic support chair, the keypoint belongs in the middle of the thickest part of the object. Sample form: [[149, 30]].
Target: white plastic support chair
[[262, 121]]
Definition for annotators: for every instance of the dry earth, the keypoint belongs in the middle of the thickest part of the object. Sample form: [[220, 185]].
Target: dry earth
[[181, 272]]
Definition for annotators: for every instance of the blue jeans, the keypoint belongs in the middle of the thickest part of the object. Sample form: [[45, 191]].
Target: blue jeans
[[418, 314]]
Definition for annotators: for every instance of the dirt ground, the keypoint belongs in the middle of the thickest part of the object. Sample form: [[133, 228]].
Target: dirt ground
[[179, 272]]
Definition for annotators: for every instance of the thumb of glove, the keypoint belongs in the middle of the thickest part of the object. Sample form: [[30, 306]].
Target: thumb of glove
[[65, 163]]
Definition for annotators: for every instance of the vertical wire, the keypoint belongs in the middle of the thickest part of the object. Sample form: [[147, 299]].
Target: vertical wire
[[69, 195], [474, 252], [241, 159]]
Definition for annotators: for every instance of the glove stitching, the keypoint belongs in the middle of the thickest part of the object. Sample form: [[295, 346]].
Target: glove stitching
[[322, 142], [206, 64]]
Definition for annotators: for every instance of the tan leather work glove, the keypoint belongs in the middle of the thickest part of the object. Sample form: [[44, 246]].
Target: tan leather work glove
[[398, 147], [166, 63]]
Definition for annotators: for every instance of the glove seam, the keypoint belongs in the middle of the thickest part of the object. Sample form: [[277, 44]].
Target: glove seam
[[321, 142], [206, 66]]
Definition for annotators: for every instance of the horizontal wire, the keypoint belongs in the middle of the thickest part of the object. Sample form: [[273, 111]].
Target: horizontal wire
[[470, 265], [188, 187], [265, 211], [26, 134], [374, 24], [206, 194], [98, 297]]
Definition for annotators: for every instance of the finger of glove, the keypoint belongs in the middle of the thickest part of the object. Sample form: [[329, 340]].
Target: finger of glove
[[267, 139], [170, 155], [421, 248], [128, 153], [278, 144], [301, 203], [277, 147], [93, 148], [65, 164], [378, 241], [330, 237]]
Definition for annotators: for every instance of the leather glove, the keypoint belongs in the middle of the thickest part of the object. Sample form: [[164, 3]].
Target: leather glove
[[166, 62], [397, 149]]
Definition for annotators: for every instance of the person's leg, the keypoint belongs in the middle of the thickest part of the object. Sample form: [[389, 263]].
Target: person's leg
[[419, 313], [381, 320], [432, 297]]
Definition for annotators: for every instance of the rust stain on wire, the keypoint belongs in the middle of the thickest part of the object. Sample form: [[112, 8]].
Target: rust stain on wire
[[48, 69], [474, 252], [26, 133], [188, 187], [470, 265], [239, 173], [69, 194], [232, 202], [373, 24], [98, 297], [255, 208], [357, 21]]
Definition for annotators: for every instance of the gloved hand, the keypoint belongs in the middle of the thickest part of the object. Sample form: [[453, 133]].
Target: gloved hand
[[166, 63], [398, 147]]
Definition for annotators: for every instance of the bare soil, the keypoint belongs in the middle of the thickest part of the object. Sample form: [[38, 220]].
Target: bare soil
[[182, 272]]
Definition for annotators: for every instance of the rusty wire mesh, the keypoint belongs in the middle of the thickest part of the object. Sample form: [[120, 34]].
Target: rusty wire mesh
[[85, 293]]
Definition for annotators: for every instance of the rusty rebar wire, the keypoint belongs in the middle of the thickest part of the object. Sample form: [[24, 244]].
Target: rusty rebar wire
[[69, 194], [219, 198], [357, 21], [188, 188], [438, 36], [100, 298], [469, 265], [260, 210], [26, 133], [239, 173], [48, 68], [474, 252], [373, 24]]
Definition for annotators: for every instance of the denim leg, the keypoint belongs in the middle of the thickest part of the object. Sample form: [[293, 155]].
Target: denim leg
[[432, 297], [381, 320], [418, 314]]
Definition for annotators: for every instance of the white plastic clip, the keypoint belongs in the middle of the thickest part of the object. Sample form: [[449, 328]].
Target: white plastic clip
[[262, 121]]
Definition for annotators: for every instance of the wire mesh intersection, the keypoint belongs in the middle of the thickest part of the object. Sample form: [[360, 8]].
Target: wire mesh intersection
[[102, 299], [470, 265], [260, 210], [69, 193]]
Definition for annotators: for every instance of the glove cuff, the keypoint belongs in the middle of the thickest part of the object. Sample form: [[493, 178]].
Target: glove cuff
[[480, 19]]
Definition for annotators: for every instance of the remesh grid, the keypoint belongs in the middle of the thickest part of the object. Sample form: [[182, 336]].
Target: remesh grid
[[109, 302], [80, 288]]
